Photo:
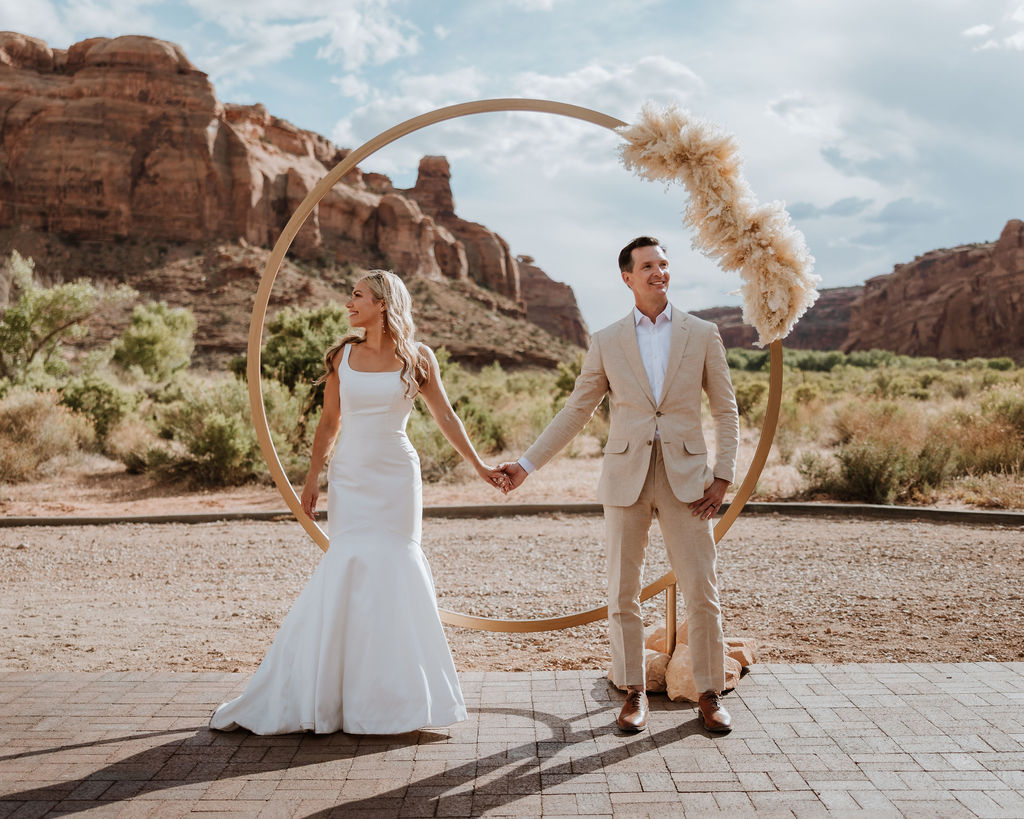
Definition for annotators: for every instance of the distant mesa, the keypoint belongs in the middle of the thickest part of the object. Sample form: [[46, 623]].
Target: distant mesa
[[117, 159], [959, 302]]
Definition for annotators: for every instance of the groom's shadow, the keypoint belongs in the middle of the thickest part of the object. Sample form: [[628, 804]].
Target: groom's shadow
[[205, 757]]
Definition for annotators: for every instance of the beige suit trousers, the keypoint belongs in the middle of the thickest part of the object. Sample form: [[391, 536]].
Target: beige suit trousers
[[691, 552]]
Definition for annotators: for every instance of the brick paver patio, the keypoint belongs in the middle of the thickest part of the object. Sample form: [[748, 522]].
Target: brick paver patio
[[881, 740]]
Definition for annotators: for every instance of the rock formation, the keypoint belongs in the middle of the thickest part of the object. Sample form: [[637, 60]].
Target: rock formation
[[957, 303], [550, 304], [823, 327], [668, 668], [952, 303], [489, 261], [123, 139]]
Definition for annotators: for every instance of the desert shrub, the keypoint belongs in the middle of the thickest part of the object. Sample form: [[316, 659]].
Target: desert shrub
[[34, 429], [990, 437], [296, 340], [134, 444], [958, 387], [749, 395], [813, 360], [886, 451], [1000, 364], [805, 393], [820, 473], [158, 340], [1006, 407], [38, 320], [211, 423], [748, 360], [868, 472], [104, 403], [870, 359]]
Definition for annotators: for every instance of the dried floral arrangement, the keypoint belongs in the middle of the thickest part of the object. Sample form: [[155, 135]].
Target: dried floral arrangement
[[729, 224]]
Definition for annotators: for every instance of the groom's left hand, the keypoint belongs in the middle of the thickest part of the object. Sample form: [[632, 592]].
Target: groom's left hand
[[707, 506]]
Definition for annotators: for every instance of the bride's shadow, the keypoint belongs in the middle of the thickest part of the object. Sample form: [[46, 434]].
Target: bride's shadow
[[205, 757], [200, 759]]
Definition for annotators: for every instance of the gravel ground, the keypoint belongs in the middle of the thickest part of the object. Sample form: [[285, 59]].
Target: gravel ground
[[211, 596]]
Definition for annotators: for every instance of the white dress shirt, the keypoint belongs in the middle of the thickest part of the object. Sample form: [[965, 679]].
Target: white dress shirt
[[655, 340]]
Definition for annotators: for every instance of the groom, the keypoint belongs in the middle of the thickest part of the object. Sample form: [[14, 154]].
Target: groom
[[653, 365]]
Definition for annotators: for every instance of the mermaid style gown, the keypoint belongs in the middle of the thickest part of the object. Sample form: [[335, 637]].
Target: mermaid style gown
[[362, 649]]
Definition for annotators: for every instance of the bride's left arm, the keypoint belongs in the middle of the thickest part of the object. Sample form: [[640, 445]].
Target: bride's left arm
[[451, 426]]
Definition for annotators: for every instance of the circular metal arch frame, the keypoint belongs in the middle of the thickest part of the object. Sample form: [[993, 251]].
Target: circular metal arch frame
[[259, 312]]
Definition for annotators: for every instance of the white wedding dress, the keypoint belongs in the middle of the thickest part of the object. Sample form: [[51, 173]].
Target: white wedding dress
[[362, 649]]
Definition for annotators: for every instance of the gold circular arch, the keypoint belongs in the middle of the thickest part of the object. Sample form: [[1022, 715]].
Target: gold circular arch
[[259, 313]]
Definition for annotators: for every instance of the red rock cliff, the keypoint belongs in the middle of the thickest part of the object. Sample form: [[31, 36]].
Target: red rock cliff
[[124, 139], [956, 303]]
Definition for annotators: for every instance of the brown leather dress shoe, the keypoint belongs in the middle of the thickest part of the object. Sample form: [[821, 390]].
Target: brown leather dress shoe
[[712, 714], [633, 716]]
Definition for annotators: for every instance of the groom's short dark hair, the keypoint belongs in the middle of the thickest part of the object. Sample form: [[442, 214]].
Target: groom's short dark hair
[[626, 254]]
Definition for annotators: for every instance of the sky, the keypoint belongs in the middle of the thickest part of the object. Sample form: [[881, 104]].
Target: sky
[[888, 127]]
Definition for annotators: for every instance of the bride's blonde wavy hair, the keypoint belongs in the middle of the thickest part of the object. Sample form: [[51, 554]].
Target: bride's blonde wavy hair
[[388, 288]]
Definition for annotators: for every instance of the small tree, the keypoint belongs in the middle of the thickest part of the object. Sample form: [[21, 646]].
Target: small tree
[[159, 340], [38, 320], [293, 353]]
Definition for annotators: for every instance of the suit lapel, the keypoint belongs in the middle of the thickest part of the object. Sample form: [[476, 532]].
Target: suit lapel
[[631, 350], [680, 332]]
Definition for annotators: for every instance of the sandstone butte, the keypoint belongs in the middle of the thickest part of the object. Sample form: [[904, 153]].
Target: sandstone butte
[[953, 303], [121, 143]]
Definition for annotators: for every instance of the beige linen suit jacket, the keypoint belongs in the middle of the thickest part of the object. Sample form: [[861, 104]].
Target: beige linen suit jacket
[[613, 366]]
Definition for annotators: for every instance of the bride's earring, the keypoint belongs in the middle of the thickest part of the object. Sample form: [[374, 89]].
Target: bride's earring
[[384, 323]]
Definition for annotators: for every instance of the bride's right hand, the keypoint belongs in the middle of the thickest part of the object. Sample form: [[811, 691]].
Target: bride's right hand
[[309, 498]]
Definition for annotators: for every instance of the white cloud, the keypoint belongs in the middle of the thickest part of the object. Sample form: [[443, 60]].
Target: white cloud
[[441, 32], [351, 86], [806, 116], [533, 5], [353, 33], [979, 30], [1017, 15], [613, 88], [63, 22]]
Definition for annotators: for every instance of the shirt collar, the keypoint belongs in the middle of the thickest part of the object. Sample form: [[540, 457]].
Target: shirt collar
[[664, 315]]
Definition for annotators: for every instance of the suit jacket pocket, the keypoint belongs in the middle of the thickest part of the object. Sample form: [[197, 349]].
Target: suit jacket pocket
[[695, 446], [616, 446]]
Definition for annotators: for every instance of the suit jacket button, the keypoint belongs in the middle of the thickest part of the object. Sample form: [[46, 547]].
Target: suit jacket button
[[659, 413], [648, 443]]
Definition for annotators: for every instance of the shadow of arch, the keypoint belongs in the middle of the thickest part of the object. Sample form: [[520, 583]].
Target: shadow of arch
[[523, 775]]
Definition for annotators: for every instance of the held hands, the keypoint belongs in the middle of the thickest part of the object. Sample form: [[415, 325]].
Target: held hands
[[515, 472], [494, 476], [706, 507]]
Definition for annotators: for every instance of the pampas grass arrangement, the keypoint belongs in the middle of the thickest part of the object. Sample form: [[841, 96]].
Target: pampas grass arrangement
[[729, 223]]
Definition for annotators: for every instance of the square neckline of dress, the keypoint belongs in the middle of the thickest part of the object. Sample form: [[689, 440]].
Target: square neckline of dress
[[345, 361]]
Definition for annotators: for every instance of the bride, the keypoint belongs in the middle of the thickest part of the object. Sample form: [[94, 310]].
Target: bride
[[362, 649]]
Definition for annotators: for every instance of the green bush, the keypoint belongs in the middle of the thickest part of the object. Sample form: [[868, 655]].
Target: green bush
[[749, 395], [101, 401], [296, 341], [211, 423], [1000, 364], [38, 320], [34, 429], [158, 340], [868, 472]]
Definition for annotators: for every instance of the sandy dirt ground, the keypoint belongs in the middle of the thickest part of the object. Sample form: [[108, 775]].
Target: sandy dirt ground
[[211, 596], [98, 486]]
